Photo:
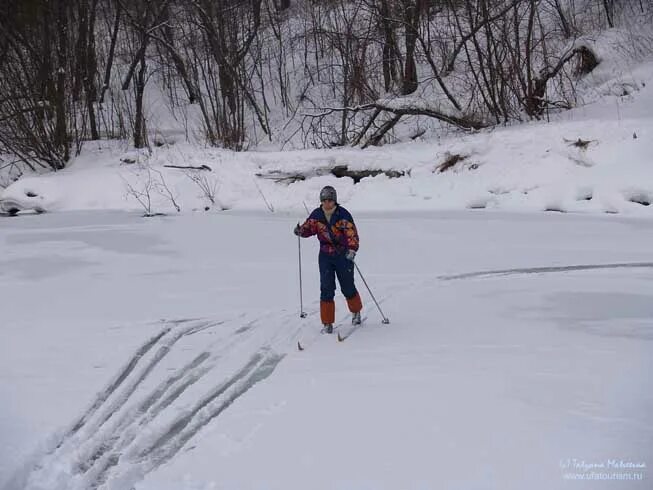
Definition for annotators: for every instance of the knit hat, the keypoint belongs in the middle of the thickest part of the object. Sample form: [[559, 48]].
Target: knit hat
[[328, 192]]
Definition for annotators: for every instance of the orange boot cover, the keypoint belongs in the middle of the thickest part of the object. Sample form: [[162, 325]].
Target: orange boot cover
[[328, 312], [354, 303]]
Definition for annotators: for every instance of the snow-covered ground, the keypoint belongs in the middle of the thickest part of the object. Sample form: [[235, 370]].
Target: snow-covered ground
[[160, 354]]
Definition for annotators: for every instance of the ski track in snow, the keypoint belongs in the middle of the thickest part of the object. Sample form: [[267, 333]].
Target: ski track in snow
[[121, 436], [543, 270]]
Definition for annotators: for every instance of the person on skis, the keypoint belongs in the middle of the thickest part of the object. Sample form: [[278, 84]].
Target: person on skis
[[338, 237]]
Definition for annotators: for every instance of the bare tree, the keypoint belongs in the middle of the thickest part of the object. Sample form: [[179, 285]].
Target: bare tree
[[321, 73]]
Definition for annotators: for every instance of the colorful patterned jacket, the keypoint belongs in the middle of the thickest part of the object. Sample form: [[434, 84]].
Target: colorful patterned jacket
[[342, 226]]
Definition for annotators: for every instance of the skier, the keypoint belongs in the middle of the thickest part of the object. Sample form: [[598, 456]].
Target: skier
[[336, 231]]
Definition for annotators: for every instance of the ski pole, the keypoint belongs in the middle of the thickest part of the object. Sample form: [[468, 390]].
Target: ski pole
[[302, 314], [385, 319]]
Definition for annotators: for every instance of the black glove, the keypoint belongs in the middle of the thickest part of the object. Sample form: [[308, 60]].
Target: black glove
[[297, 229]]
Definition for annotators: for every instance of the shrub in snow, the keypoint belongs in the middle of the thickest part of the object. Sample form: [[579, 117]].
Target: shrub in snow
[[147, 183], [207, 183]]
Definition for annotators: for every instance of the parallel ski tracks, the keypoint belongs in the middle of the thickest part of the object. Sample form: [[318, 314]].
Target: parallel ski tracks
[[141, 420], [122, 429]]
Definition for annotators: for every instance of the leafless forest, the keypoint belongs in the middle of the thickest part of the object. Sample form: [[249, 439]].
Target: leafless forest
[[322, 73]]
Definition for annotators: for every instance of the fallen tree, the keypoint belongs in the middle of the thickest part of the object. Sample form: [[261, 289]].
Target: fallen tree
[[399, 108]]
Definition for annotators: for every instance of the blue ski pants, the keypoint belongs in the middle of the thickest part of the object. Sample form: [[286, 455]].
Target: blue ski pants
[[332, 266]]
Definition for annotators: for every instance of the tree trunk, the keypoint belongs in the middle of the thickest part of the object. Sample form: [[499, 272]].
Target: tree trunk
[[90, 62], [169, 44], [112, 51], [390, 57], [61, 139], [411, 20], [140, 139], [608, 5]]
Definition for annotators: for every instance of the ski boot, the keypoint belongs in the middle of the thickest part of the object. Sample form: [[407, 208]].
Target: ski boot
[[327, 328], [356, 318]]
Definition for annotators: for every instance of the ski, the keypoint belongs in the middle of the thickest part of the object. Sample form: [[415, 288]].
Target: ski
[[341, 337], [304, 346], [341, 333]]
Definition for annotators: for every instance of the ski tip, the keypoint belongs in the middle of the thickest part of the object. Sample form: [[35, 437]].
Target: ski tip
[[340, 337], [299, 346]]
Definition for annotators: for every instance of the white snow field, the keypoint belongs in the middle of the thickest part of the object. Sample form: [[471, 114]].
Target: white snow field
[[160, 354]]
